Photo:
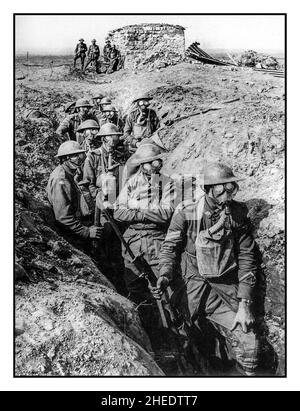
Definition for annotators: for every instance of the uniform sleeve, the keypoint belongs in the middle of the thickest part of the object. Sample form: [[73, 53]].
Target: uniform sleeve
[[76, 49], [122, 211], [64, 126], [90, 176], [155, 122], [247, 265], [173, 244], [128, 128], [63, 207], [163, 212]]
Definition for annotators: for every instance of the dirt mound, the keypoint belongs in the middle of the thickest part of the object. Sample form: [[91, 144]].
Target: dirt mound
[[79, 330], [251, 58]]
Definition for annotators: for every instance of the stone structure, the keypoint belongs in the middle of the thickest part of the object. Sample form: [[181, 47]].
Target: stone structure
[[149, 44]]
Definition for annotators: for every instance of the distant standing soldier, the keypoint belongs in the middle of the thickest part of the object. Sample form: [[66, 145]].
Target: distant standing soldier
[[113, 59], [80, 52], [145, 207], [70, 124], [141, 123], [64, 195], [106, 50], [93, 55]]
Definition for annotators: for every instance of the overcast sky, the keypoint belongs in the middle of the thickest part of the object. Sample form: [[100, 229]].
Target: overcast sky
[[59, 34]]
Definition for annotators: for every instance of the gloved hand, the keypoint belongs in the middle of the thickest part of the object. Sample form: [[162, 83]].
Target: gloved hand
[[161, 285], [134, 204], [96, 232]]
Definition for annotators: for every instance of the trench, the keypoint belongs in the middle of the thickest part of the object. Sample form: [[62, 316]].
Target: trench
[[271, 243]]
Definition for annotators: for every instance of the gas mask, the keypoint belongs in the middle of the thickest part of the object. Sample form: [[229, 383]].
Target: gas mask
[[223, 193], [143, 105], [76, 161], [153, 167], [110, 142]]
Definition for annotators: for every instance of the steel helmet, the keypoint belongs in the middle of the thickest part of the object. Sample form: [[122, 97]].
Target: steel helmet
[[147, 153], [142, 97], [218, 173], [68, 105], [97, 95], [105, 100], [88, 124], [83, 102], [81, 39], [109, 129], [68, 148], [109, 108], [94, 41]]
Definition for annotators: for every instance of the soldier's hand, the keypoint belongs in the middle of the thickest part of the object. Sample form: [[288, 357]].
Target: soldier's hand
[[244, 318], [134, 204], [96, 232], [161, 285]]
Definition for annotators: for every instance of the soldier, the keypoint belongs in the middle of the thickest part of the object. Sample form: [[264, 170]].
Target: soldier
[[105, 159], [93, 55], [105, 101], [145, 207], [86, 133], [218, 263], [141, 123], [70, 124], [64, 194], [110, 115], [80, 52], [97, 97], [101, 175], [106, 50], [113, 59]]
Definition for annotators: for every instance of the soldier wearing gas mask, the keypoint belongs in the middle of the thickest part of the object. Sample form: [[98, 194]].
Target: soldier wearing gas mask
[[213, 239]]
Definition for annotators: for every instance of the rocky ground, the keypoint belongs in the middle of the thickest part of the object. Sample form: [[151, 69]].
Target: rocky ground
[[64, 306]]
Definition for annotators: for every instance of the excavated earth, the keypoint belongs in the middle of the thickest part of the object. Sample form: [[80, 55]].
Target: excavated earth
[[69, 318]]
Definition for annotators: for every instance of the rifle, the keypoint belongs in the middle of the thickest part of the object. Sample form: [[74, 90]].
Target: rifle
[[140, 263], [97, 215], [172, 320]]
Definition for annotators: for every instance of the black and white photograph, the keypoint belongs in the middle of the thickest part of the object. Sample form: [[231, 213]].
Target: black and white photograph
[[149, 195]]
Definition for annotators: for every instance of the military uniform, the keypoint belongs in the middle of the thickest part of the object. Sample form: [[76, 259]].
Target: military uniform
[[65, 198], [114, 120], [113, 58], [147, 220], [138, 129], [215, 299], [93, 56], [70, 124], [80, 52], [96, 164], [106, 51], [94, 173], [145, 207]]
